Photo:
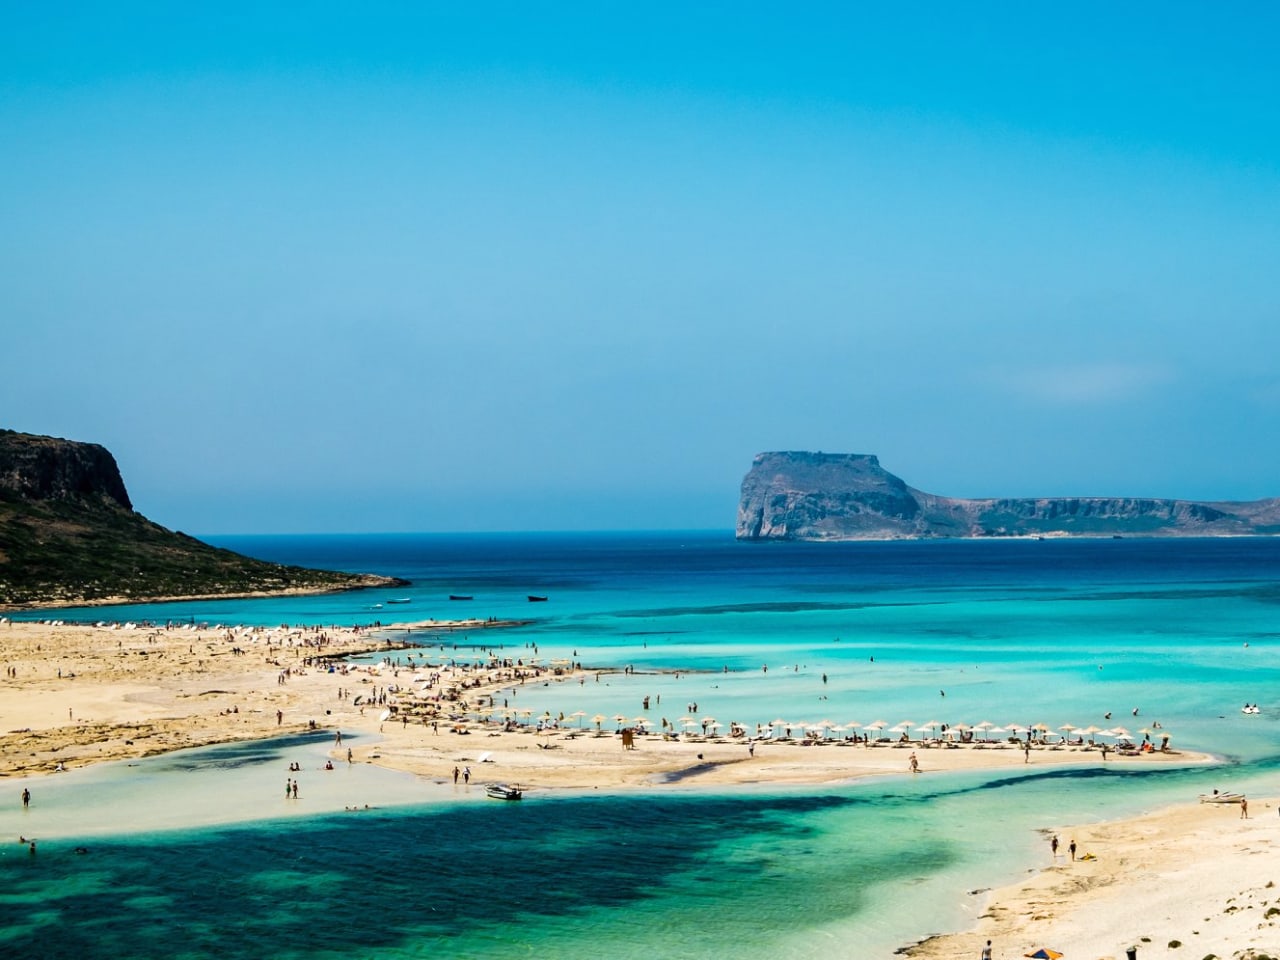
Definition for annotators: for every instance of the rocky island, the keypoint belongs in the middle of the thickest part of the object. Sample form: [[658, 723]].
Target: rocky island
[[841, 496], [69, 535]]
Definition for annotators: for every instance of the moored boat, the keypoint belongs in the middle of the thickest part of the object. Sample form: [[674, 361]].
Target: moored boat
[[533, 599], [504, 791], [400, 600], [455, 596]]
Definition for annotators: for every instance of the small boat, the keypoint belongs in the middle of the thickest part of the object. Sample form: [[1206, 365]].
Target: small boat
[[400, 600], [533, 599], [1250, 708], [454, 596], [504, 791], [1217, 797]]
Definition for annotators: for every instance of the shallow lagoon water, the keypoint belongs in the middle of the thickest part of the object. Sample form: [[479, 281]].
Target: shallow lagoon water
[[1012, 632]]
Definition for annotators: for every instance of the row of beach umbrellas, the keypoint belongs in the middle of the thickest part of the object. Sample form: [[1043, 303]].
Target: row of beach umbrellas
[[985, 729]]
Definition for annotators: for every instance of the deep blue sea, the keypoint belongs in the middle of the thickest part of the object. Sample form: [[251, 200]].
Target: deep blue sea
[[183, 861]]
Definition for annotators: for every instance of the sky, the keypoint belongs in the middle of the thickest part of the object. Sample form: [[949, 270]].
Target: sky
[[553, 266]]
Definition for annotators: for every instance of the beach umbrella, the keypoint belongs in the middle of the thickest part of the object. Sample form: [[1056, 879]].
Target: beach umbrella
[[619, 718], [579, 714], [598, 719], [641, 721], [1120, 732]]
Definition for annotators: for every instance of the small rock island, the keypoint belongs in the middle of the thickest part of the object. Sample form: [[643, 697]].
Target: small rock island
[[849, 496]]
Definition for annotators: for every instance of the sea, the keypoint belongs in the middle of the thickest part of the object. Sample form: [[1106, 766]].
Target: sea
[[196, 854]]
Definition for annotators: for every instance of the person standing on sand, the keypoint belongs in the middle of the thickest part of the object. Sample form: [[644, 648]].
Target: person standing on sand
[[1053, 845], [1244, 809], [1072, 848], [456, 773], [986, 951], [466, 774]]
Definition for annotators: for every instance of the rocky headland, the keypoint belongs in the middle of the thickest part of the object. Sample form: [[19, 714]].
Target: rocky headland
[[69, 535], [839, 496]]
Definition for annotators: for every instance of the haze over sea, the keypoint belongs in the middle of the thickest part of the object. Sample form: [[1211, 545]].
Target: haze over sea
[[1026, 631]]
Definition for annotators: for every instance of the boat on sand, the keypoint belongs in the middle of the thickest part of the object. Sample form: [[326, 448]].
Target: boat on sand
[[1217, 797], [504, 791]]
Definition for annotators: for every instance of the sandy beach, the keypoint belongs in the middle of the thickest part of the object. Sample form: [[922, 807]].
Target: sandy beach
[[74, 694], [1196, 880]]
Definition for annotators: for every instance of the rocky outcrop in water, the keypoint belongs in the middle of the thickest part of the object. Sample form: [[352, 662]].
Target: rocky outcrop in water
[[827, 496], [69, 534]]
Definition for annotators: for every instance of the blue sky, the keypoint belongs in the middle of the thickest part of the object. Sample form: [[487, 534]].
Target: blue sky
[[558, 266]]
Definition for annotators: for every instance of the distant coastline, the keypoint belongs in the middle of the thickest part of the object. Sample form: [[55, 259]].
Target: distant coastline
[[374, 582], [799, 495]]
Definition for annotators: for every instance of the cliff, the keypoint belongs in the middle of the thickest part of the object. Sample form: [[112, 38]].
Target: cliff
[[69, 534], [825, 496]]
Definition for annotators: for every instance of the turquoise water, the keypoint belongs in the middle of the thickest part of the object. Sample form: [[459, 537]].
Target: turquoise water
[[214, 862]]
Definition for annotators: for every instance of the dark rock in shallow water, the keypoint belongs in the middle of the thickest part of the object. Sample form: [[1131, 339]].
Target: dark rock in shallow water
[[837, 496]]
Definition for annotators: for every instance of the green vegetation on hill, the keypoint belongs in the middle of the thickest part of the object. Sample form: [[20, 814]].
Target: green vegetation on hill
[[68, 534]]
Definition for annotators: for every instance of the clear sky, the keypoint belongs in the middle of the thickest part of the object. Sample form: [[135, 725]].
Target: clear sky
[[369, 267]]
